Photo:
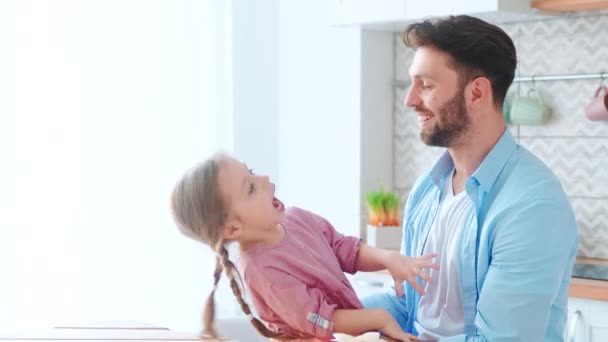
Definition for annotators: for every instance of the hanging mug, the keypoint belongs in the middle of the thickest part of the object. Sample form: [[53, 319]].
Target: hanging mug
[[598, 108], [506, 110], [529, 110]]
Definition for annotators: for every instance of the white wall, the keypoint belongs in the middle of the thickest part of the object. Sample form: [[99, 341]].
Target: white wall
[[103, 104], [377, 65], [255, 84], [319, 114]]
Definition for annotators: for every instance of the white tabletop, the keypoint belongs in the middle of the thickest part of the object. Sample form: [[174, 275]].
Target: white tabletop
[[101, 331]]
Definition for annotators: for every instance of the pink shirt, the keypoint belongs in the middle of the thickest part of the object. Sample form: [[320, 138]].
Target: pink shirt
[[296, 285]]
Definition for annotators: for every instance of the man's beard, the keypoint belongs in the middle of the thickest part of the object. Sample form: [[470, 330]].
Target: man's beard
[[451, 121]]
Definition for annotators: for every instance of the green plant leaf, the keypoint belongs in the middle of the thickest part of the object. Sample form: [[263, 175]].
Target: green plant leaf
[[374, 200]]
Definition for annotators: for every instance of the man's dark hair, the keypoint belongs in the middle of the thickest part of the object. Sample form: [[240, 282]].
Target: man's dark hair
[[476, 47]]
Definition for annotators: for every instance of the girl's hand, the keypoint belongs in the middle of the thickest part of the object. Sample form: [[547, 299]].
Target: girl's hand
[[410, 338], [393, 330], [404, 268]]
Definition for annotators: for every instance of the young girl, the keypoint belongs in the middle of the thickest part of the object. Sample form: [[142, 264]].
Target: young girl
[[292, 261]]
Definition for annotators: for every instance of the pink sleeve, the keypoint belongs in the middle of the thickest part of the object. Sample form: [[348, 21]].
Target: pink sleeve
[[345, 247], [302, 308]]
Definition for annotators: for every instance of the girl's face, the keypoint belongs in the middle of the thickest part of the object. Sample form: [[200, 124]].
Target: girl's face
[[252, 207]]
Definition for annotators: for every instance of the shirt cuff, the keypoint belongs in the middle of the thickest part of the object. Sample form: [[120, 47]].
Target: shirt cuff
[[322, 320]]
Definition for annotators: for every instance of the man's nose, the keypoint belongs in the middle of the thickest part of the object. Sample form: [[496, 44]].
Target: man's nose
[[412, 99]]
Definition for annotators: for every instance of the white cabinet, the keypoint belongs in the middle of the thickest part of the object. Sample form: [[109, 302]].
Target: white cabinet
[[587, 320], [432, 8], [346, 12], [393, 15]]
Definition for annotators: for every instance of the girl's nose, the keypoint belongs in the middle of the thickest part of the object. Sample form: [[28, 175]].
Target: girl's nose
[[265, 180]]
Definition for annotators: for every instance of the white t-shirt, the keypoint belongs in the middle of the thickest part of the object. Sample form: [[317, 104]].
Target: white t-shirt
[[440, 312]]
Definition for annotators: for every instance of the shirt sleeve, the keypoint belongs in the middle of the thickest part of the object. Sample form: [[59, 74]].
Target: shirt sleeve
[[302, 308], [533, 249], [345, 247], [412, 198]]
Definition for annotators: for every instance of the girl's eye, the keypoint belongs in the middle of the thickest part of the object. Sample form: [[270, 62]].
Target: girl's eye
[[426, 86], [251, 187]]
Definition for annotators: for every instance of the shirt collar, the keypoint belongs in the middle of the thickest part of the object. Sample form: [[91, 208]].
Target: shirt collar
[[487, 173], [444, 165], [489, 169]]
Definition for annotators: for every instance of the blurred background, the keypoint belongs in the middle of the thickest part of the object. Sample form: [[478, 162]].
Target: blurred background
[[105, 103]]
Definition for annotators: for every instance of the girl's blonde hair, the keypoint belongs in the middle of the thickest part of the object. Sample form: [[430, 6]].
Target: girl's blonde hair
[[200, 213]]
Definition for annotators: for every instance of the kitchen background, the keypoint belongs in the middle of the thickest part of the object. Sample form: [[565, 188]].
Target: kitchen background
[[575, 148], [105, 103]]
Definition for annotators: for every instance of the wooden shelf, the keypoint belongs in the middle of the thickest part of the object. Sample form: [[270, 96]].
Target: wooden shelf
[[570, 5], [580, 260]]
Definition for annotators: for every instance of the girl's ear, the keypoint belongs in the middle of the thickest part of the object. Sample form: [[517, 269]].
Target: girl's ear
[[231, 231]]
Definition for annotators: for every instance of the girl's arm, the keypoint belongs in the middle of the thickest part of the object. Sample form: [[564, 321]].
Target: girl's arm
[[401, 267], [370, 259], [355, 256], [357, 322], [306, 310]]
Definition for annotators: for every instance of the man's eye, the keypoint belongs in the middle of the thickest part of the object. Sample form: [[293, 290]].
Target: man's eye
[[251, 188], [251, 171]]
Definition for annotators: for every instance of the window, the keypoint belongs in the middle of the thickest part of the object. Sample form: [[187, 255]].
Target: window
[[103, 104]]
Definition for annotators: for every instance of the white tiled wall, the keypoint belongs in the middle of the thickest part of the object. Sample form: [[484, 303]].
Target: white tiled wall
[[575, 148]]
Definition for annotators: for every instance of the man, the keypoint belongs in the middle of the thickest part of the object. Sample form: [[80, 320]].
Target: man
[[497, 217]]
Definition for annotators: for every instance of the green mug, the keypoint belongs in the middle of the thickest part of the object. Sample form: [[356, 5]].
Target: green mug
[[529, 110], [506, 110]]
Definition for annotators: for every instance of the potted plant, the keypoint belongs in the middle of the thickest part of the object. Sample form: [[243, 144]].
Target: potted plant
[[383, 228]]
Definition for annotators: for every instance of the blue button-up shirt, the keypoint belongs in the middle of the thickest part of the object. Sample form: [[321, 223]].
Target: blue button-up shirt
[[517, 247]]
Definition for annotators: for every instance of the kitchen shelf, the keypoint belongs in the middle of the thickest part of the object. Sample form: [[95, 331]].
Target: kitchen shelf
[[570, 5]]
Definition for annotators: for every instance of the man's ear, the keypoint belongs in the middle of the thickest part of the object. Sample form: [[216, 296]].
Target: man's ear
[[480, 91], [231, 231]]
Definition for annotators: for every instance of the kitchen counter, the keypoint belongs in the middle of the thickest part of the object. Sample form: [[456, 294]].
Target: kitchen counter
[[589, 288]]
